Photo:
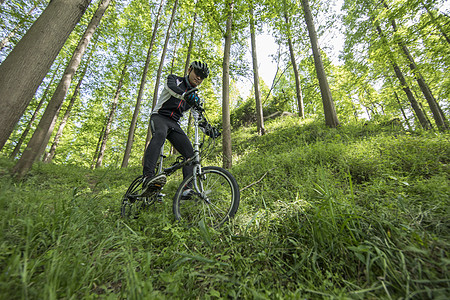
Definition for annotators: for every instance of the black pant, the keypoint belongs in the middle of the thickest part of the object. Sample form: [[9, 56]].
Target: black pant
[[162, 128]]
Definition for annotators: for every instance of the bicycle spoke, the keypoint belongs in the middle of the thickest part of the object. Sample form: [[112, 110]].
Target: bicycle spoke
[[132, 201], [216, 203]]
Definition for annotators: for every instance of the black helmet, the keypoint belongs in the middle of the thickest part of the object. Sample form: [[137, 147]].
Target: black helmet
[[201, 69]]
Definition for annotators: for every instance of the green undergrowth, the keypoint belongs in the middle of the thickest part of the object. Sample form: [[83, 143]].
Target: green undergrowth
[[357, 212]]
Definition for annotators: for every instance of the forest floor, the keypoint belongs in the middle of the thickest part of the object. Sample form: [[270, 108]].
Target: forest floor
[[357, 212]]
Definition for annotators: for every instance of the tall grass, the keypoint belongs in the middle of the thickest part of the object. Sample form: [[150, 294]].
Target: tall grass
[[357, 212]]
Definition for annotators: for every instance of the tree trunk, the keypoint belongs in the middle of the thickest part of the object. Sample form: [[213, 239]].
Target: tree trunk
[[440, 120], [436, 22], [186, 67], [328, 105], [97, 148], [414, 104], [301, 110], [418, 111], [226, 121], [191, 42], [41, 136], [33, 117], [49, 156], [23, 70], [402, 110], [132, 130], [112, 111], [6, 39], [259, 110], [161, 65]]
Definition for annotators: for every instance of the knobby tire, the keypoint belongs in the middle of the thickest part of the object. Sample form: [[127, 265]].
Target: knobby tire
[[221, 203]]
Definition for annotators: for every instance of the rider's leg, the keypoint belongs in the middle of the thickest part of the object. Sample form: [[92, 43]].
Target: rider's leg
[[160, 128], [182, 144]]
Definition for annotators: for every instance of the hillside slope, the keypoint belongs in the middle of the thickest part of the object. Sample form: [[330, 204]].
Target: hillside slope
[[361, 211]]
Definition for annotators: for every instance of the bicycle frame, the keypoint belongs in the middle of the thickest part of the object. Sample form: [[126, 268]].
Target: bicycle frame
[[195, 160], [213, 191]]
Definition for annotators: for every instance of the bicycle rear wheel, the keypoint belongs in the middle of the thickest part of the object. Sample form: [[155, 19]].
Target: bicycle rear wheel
[[215, 204], [133, 203]]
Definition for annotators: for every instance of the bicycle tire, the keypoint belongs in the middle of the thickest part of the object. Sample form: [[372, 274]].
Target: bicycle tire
[[221, 190], [132, 203]]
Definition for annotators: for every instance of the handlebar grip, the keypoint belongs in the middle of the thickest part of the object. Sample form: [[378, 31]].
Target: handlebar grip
[[191, 91]]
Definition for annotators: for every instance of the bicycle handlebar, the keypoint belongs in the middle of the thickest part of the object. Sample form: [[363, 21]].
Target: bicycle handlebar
[[209, 130]]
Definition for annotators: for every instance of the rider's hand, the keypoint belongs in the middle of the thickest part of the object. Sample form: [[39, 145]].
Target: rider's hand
[[192, 98], [209, 130]]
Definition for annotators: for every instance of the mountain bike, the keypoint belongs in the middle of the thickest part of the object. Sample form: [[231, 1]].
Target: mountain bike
[[215, 192]]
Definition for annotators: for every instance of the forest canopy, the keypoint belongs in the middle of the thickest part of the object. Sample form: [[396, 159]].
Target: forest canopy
[[394, 65]]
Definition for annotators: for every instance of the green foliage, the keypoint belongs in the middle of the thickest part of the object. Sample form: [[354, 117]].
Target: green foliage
[[359, 211]]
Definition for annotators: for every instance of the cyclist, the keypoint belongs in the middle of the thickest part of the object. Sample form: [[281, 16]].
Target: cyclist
[[164, 121]]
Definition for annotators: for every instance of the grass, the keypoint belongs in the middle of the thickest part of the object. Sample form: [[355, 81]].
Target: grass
[[358, 212]]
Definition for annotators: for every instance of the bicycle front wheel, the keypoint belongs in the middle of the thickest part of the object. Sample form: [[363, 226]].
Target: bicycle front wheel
[[216, 203]]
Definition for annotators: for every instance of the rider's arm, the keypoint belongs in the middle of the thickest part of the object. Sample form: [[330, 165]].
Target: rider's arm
[[173, 84]]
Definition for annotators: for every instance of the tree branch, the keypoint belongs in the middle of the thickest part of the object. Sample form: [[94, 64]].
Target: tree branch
[[256, 182]]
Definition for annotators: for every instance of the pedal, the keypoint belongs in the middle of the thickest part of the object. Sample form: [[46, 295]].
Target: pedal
[[160, 197]]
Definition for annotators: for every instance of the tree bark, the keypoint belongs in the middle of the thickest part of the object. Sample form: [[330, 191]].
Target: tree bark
[[23, 70], [42, 135], [6, 39], [161, 65], [186, 67], [402, 110], [259, 111], [33, 118], [51, 154], [226, 119], [112, 111], [439, 118], [191, 42], [414, 104], [328, 105], [436, 22], [132, 130], [97, 148], [298, 90]]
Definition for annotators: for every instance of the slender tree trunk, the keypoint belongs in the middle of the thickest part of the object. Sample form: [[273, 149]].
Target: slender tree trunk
[[33, 117], [191, 43], [426, 116], [97, 148], [331, 118], [112, 111], [23, 70], [440, 120], [258, 108], [298, 90], [41, 136], [161, 65], [414, 104], [174, 52], [137, 108], [6, 39], [436, 22], [51, 154], [226, 120], [186, 67], [402, 110]]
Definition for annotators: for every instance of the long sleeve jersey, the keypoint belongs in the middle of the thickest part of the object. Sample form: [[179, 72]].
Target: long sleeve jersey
[[171, 103]]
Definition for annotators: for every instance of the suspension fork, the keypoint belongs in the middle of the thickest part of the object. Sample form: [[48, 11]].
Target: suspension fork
[[197, 170]]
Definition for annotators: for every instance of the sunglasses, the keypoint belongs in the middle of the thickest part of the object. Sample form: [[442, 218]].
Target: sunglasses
[[199, 75]]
